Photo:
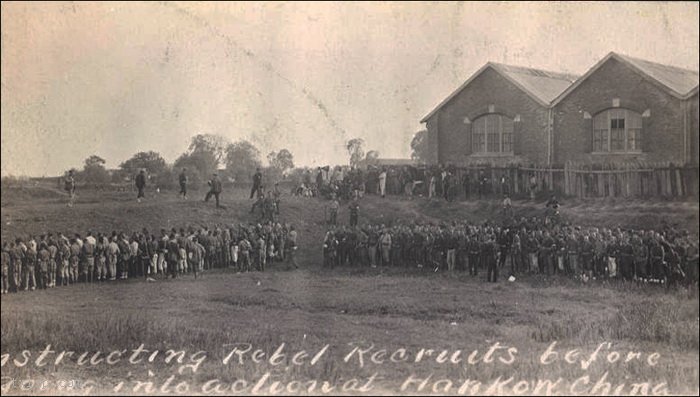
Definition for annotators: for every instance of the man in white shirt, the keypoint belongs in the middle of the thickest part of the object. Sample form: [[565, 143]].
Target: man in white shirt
[[382, 182]]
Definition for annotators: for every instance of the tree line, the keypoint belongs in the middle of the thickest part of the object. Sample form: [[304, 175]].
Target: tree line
[[209, 153], [205, 155]]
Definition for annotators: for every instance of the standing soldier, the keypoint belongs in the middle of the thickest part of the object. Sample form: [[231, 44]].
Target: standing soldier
[[640, 258], [260, 251], [140, 181], [5, 263], [385, 244], [100, 258], [572, 254], [125, 250], [330, 244], [43, 258], [74, 260], [382, 182], [113, 252], [473, 249], [333, 209], [466, 183], [153, 254], [245, 247], [268, 208], [490, 254], [29, 268], [64, 260], [257, 183], [626, 259], [53, 253], [587, 253], [277, 194], [354, 212], [173, 255], [214, 189], [69, 186], [16, 256], [516, 256], [89, 255], [183, 183], [547, 254], [292, 244]]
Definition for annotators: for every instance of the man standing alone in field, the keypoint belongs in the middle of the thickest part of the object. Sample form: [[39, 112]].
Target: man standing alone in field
[[257, 183], [183, 183], [214, 189], [292, 244], [140, 184], [69, 186]]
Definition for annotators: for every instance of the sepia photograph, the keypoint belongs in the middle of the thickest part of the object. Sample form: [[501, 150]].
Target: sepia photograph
[[350, 198]]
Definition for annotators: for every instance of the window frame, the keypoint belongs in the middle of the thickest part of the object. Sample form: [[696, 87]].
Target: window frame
[[480, 138], [606, 140]]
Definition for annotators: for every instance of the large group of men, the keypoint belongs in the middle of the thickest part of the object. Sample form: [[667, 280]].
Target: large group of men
[[433, 182], [56, 259], [527, 246]]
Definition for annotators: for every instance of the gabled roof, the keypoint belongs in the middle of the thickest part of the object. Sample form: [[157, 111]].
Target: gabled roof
[[681, 83], [540, 85]]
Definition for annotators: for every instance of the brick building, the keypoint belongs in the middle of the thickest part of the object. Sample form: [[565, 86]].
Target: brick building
[[621, 109], [625, 108]]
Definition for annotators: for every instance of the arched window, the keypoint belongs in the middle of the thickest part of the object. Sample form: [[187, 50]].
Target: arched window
[[617, 130], [492, 133]]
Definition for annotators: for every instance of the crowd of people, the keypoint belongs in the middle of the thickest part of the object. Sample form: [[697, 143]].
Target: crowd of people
[[537, 245], [527, 246], [53, 259], [433, 182]]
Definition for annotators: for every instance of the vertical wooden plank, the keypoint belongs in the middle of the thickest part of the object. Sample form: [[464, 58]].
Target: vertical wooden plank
[[679, 183], [566, 178]]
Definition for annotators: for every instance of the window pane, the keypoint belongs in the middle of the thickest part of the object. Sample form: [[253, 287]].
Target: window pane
[[633, 136], [492, 133], [478, 133], [600, 140], [617, 139], [507, 135]]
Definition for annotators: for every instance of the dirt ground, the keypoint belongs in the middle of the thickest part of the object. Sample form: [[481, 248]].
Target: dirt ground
[[405, 317]]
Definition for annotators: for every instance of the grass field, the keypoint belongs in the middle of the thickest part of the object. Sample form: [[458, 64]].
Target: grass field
[[398, 311]]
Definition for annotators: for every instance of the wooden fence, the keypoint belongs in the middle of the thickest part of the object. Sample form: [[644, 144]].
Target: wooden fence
[[642, 180]]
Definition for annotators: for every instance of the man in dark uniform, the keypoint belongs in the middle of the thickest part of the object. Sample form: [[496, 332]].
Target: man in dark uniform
[[489, 254], [354, 212], [547, 250], [5, 262], [626, 259], [214, 189], [257, 183], [140, 182], [183, 183]]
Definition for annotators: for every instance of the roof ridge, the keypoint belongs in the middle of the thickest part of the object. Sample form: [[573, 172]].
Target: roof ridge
[[564, 74], [656, 63]]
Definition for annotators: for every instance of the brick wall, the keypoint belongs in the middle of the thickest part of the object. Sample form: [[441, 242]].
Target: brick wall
[[450, 137], [694, 129], [662, 135]]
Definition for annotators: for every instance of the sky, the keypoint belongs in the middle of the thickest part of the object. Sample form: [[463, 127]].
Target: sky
[[114, 79]]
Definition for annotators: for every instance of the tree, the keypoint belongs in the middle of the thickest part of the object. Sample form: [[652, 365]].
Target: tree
[[283, 160], [419, 146], [217, 145], [94, 170], [151, 161], [200, 166], [356, 151], [242, 158]]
